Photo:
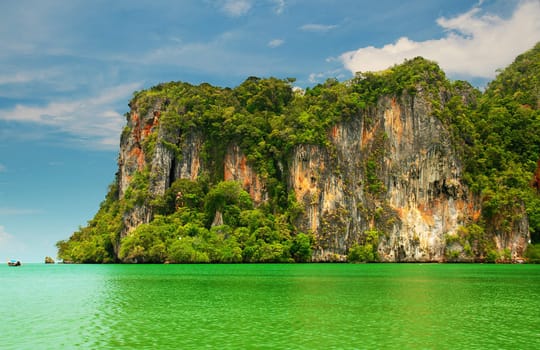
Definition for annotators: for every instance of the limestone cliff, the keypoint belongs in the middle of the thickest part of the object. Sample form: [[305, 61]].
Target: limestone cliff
[[398, 166], [392, 168]]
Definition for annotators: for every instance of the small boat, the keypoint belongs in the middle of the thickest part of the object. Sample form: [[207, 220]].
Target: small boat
[[14, 263]]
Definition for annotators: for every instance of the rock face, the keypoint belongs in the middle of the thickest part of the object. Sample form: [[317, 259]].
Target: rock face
[[136, 155], [392, 169], [236, 168]]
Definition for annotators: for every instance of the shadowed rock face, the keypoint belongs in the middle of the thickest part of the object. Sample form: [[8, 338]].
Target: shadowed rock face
[[392, 169]]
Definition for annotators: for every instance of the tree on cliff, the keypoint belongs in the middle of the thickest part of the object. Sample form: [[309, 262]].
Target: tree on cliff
[[496, 133]]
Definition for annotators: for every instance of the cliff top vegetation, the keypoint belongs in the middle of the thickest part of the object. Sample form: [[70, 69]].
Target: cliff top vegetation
[[496, 133]]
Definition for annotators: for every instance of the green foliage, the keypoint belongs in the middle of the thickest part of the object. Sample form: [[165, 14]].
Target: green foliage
[[183, 233], [96, 242], [361, 253], [417, 74], [137, 192], [184, 250], [533, 253], [496, 133], [473, 241], [520, 83], [229, 199], [492, 256], [366, 249], [504, 132], [374, 184], [182, 193], [301, 249], [264, 94], [532, 201]]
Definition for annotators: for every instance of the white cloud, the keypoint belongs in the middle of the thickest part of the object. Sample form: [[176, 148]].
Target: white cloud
[[280, 6], [312, 27], [475, 44], [275, 43], [236, 8], [26, 76], [314, 77], [320, 77], [92, 119], [2, 168]]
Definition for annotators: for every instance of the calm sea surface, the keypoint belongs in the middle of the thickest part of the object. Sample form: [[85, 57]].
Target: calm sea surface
[[316, 306]]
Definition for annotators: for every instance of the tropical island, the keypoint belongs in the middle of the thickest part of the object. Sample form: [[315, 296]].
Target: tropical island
[[401, 165]]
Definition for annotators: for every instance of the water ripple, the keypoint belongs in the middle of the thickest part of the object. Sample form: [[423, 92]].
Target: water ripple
[[270, 306]]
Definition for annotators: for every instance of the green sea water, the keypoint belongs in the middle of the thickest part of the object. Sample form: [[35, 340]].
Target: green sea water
[[312, 306]]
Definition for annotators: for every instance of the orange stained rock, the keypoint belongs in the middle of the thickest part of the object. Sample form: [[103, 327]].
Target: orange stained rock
[[426, 212], [400, 212], [476, 215], [195, 168], [138, 154], [136, 132], [367, 137], [237, 169], [150, 126], [393, 118], [335, 132]]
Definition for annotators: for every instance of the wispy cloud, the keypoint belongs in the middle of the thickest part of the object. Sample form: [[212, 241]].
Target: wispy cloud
[[93, 120], [319, 77], [280, 6], [313, 27], [27, 76], [210, 56], [7, 211], [2, 168], [236, 8], [476, 44], [275, 43]]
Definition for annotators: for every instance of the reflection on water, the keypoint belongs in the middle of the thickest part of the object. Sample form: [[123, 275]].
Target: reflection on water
[[270, 306]]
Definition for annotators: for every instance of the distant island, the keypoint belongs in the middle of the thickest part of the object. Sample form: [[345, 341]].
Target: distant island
[[401, 165]]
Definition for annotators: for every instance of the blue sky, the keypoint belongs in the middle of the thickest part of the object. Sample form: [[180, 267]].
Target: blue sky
[[69, 67]]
